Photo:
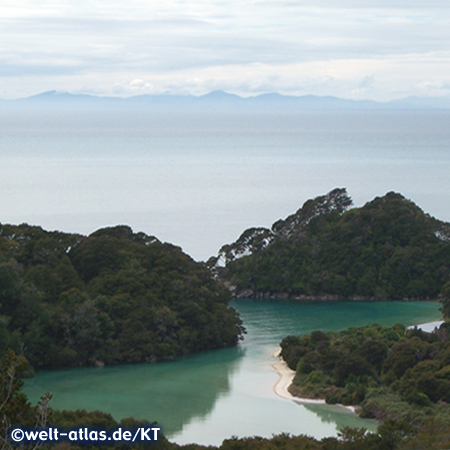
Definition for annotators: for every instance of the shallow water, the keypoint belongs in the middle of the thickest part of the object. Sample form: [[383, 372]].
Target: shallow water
[[211, 396]]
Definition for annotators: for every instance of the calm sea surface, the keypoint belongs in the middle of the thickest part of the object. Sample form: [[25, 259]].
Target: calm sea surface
[[199, 180], [212, 396]]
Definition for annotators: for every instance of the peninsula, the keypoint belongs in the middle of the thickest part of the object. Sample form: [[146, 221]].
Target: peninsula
[[389, 249], [112, 297]]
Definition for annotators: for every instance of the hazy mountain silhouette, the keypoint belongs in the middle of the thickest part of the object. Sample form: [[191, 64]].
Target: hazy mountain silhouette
[[217, 100]]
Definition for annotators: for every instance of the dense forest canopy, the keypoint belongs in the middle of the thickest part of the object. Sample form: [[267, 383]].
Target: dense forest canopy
[[387, 249], [112, 297], [391, 372]]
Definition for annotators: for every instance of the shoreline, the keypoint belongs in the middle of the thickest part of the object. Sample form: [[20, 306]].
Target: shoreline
[[286, 376], [428, 327], [249, 294]]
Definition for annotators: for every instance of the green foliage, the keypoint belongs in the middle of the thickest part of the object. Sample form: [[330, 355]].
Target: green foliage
[[15, 409], [112, 297], [391, 372], [445, 294], [387, 249], [13, 404], [278, 442]]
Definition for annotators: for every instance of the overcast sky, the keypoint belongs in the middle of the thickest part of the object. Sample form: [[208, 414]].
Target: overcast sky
[[376, 49]]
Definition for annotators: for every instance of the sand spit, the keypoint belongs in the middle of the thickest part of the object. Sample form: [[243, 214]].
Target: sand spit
[[286, 376]]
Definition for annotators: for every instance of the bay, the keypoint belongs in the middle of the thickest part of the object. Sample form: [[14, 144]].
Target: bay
[[211, 396], [199, 180]]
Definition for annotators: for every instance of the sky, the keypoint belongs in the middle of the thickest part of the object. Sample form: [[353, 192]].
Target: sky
[[359, 49]]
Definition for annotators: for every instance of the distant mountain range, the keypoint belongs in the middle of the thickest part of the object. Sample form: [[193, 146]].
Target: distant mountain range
[[216, 100]]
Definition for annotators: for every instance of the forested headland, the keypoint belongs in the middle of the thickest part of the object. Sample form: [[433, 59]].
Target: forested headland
[[112, 297], [393, 374], [389, 249], [396, 375], [390, 372]]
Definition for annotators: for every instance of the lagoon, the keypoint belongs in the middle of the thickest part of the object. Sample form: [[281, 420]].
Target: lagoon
[[211, 396]]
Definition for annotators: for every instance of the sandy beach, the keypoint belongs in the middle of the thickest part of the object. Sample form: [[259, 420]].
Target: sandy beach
[[286, 376], [429, 326]]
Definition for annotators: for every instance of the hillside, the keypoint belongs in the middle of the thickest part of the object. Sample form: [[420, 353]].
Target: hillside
[[390, 372], [112, 297], [387, 249]]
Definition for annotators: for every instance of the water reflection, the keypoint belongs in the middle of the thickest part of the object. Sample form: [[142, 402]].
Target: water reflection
[[173, 393], [212, 396], [339, 416]]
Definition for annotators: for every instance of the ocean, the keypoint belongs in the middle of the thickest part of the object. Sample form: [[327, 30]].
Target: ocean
[[198, 180]]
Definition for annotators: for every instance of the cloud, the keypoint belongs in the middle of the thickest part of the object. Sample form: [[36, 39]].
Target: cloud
[[226, 45]]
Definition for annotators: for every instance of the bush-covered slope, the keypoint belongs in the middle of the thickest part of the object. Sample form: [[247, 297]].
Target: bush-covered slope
[[390, 371], [113, 297], [387, 249]]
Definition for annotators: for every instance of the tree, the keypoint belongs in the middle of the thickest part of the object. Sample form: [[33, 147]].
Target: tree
[[14, 406]]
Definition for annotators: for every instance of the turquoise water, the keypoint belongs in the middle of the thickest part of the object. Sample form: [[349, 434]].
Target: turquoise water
[[208, 397]]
